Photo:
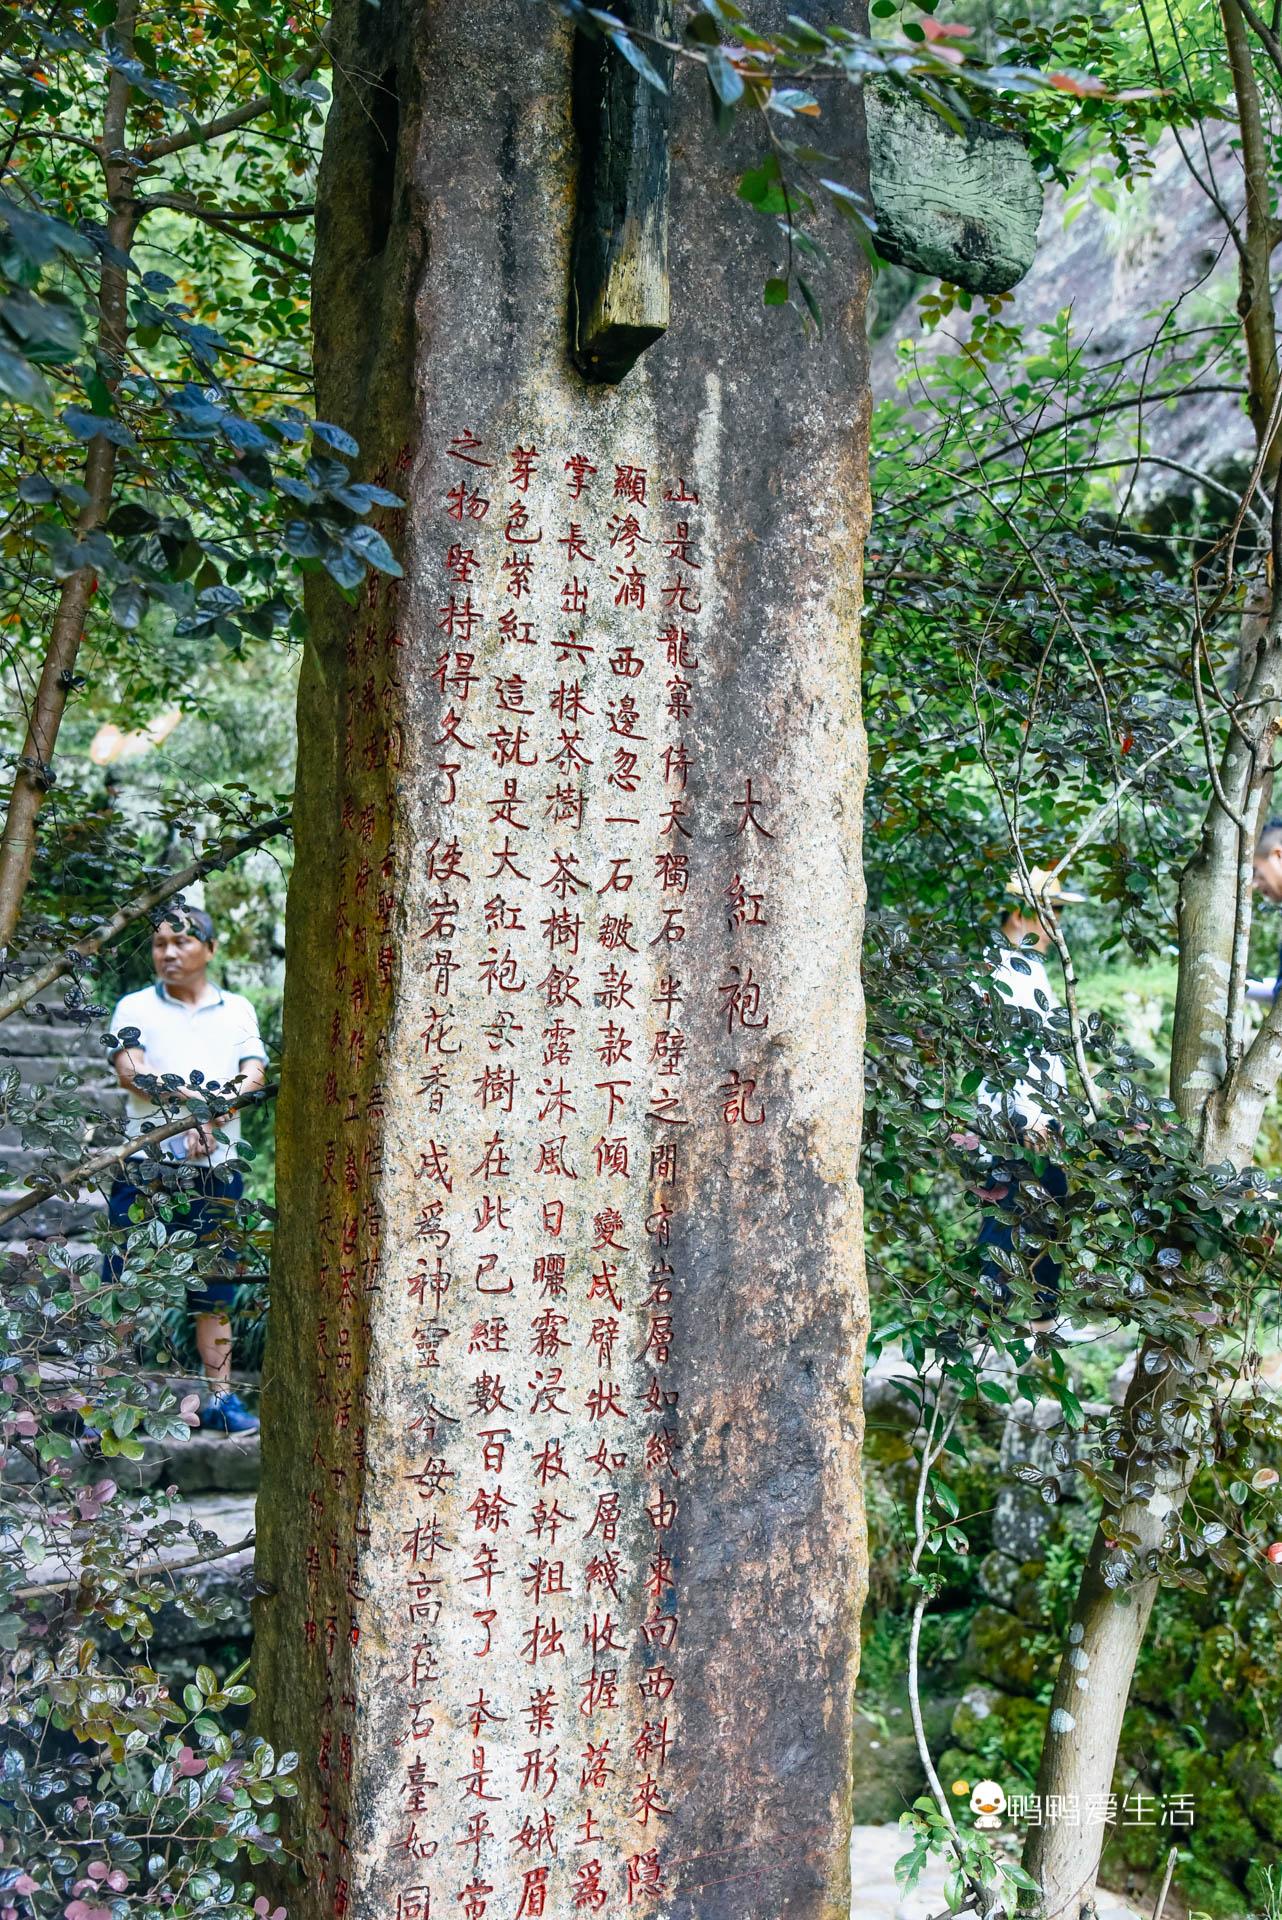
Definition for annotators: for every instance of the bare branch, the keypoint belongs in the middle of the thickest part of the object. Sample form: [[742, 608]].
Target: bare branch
[[137, 909], [1101, 813], [88, 1170], [198, 136], [222, 223], [1207, 185], [183, 203]]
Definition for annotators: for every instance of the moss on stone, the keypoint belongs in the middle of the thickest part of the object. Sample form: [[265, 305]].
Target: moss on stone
[[1000, 1649], [1000, 1730]]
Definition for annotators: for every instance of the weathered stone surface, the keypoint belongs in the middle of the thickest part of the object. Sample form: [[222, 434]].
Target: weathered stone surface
[[1021, 1518], [1012, 1585], [1119, 271], [963, 206], [561, 1513], [998, 1649]]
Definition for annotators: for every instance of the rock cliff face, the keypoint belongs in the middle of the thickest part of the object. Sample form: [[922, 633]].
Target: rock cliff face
[[1163, 258]]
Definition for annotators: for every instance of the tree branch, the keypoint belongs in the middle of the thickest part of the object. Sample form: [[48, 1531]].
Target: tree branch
[[146, 1572], [198, 136], [1260, 28], [1255, 296], [88, 1170], [223, 224], [32, 776], [182, 203], [1120, 405], [137, 909]]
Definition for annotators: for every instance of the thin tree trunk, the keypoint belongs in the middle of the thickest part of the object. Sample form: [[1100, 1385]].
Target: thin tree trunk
[[34, 775], [1093, 1686], [1255, 257], [1220, 1093], [1220, 1087]]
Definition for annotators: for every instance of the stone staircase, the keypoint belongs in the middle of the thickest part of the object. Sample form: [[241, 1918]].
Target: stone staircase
[[59, 1062], [215, 1476]]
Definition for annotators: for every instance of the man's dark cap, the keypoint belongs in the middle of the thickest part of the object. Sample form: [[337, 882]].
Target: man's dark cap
[[194, 918]]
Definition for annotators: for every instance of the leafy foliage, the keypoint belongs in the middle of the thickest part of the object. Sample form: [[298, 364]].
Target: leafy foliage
[[163, 485], [1038, 667], [779, 75]]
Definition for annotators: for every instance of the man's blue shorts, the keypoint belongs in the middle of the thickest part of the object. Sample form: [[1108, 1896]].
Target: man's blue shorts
[[206, 1214]]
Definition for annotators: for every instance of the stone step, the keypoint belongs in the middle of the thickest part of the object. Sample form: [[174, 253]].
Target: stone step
[[16, 1247], [203, 1463], [17, 1163], [73, 1109], [40, 1069], [86, 1125], [228, 1578], [29, 1037], [57, 1215]]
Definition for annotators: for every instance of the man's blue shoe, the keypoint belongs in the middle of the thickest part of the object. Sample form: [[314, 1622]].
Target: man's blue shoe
[[226, 1413]]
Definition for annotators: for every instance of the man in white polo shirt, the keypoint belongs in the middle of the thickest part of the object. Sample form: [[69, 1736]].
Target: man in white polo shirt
[[187, 1026]]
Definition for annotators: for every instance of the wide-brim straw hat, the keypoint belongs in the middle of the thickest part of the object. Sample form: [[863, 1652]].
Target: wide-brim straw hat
[[1045, 887]]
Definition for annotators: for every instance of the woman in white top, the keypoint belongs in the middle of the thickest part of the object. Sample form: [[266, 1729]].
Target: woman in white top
[[1017, 974]]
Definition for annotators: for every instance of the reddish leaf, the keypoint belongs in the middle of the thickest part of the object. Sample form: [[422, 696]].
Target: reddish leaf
[[1082, 84]]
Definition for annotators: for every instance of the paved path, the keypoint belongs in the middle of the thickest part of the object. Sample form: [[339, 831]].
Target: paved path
[[875, 1896]]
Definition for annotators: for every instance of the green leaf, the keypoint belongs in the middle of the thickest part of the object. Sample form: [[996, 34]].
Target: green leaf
[[624, 44], [94, 426], [806, 34], [21, 381], [369, 543], [726, 80], [775, 292], [336, 437], [791, 100], [756, 183], [128, 605]]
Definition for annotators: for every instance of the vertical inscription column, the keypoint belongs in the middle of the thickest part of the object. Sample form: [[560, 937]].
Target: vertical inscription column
[[548, 901], [560, 1523]]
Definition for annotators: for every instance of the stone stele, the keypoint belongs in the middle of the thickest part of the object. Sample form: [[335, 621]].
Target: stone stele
[[560, 1541]]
